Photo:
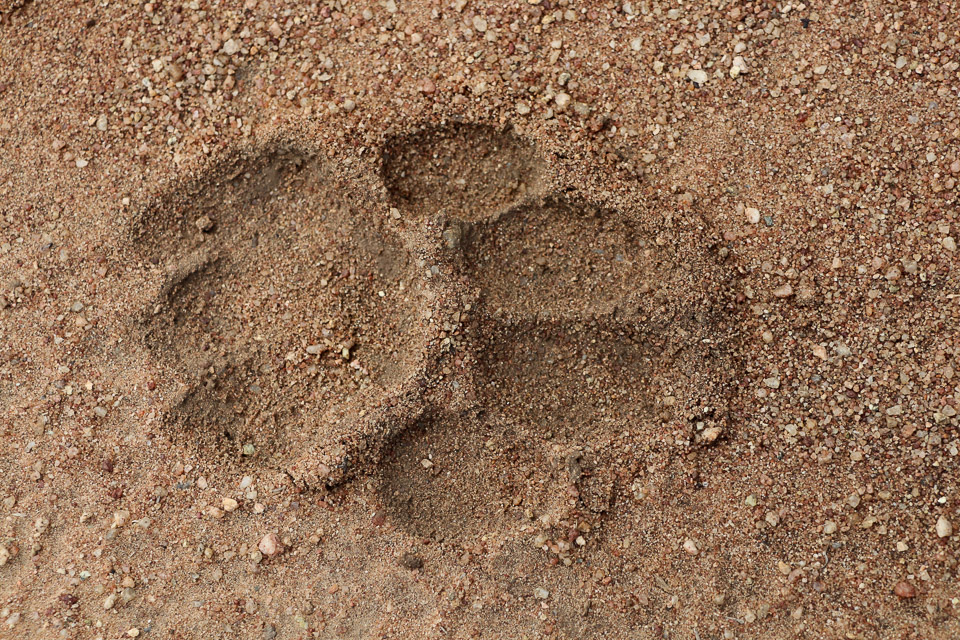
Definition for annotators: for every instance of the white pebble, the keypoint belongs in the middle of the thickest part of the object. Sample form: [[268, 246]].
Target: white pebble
[[944, 528], [270, 545]]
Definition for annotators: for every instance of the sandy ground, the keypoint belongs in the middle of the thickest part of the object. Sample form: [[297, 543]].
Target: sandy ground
[[461, 319]]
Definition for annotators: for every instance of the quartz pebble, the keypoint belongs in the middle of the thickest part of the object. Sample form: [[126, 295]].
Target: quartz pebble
[[944, 527], [270, 545], [783, 291], [710, 434]]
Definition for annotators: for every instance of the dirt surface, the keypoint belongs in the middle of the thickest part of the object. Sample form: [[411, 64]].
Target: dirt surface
[[461, 319]]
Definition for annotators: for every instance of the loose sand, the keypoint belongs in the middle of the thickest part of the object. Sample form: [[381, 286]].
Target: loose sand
[[461, 319]]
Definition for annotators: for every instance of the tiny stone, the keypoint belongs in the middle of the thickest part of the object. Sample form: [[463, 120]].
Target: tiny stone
[[120, 518], [783, 291], [949, 243], [905, 590], [410, 561], [753, 215], [944, 528], [698, 76], [204, 223], [690, 547], [830, 527], [710, 434], [540, 593], [270, 545], [452, 237], [738, 67], [231, 47], [229, 504]]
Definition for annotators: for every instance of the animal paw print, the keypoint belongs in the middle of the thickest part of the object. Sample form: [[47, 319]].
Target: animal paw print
[[490, 353], [290, 312], [579, 339]]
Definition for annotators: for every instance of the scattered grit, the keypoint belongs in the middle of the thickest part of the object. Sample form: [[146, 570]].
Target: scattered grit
[[463, 319]]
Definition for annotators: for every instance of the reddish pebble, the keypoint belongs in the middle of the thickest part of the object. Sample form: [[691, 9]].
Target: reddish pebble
[[151, 385], [905, 590]]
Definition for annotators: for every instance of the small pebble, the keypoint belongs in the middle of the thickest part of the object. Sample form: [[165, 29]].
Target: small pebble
[[205, 224], [231, 47], [410, 561], [944, 528], [710, 434], [270, 545], [905, 590], [783, 291]]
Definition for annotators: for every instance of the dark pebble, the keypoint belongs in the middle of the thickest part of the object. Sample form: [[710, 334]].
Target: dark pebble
[[410, 561]]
